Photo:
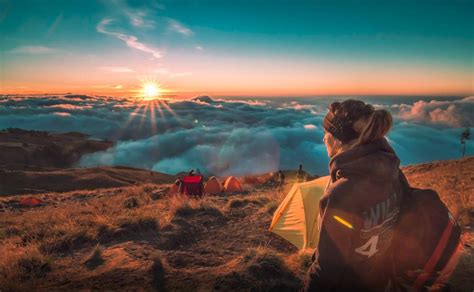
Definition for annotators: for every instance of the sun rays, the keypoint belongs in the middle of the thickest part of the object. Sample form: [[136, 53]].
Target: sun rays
[[151, 91], [151, 106]]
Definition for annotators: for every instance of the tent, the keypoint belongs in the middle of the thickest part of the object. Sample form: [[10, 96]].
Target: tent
[[296, 219], [213, 186], [30, 202], [232, 185], [192, 185]]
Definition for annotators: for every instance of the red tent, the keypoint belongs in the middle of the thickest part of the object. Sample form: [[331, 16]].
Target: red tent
[[30, 202], [193, 185]]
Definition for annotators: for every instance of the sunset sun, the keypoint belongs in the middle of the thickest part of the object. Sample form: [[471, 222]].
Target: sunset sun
[[151, 91]]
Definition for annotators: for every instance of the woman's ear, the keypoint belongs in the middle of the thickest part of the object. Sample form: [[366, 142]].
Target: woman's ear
[[337, 144]]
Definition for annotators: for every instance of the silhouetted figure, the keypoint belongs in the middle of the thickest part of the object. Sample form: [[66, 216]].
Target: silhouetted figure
[[180, 184], [191, 172], [281, 179], [300, 174], [466, 135]]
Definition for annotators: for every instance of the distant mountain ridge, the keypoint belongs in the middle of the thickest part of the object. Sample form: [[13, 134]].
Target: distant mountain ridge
[[26, 149]]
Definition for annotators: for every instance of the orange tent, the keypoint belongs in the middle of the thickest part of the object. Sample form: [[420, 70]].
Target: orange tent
[[30, 202], [232, 185], [213, 186]]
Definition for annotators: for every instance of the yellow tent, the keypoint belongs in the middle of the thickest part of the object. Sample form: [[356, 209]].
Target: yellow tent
[[296, 219]]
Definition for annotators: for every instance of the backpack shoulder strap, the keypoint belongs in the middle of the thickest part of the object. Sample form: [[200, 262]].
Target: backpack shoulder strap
[[433, 260], [404, 180]]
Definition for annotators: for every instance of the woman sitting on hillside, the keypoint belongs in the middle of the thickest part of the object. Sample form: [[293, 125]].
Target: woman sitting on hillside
[[360, 204]]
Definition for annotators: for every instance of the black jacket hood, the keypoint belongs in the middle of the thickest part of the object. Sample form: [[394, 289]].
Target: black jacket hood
[[376, 159]]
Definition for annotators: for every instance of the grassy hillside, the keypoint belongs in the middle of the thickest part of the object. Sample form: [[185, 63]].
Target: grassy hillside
[[24, 150], [138, 237], [64, 180]]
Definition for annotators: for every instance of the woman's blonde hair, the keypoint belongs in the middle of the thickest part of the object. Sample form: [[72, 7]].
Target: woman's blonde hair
[[356, 123]]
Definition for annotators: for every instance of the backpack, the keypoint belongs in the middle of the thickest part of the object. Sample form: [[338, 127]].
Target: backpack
[[427, 240], [193, 185]]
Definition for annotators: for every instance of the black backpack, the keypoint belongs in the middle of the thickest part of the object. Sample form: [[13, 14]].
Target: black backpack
[[427, 240]]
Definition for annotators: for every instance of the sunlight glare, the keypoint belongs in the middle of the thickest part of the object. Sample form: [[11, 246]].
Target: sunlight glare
[[151, 91]]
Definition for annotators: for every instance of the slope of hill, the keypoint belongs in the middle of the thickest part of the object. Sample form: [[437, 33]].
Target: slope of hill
[[23, 149], [452, 179], [63, 180], [139, 238]]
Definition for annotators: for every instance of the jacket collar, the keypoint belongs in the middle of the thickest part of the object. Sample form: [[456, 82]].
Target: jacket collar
[[377, 159]]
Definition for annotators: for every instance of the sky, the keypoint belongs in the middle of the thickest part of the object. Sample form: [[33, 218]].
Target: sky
[[258, 48]]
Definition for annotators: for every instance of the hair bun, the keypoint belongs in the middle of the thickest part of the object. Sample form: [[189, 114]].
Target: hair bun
[[334, 107]]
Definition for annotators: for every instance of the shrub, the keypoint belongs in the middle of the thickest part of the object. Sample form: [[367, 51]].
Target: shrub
[[20, 267], [261, 270], [158, 273], [33, 266], [184, 207], [134, 224], [237, 203], [65, 242], [131, 203], [271, 207], [95, 258]]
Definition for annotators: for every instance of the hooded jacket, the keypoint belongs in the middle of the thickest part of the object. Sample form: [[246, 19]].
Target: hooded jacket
[[357, 215]]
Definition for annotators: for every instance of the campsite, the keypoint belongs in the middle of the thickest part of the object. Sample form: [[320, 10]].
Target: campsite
[[237, 145], [139, 237]]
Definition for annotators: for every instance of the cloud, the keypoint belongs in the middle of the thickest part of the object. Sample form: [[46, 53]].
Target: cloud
[[118, 86], [180, 74], [162, 71], [55, 24], [457, 113], [220, 136], [178, 27], [199, 48], [117, 69], [130, 40], [62, 114], [33, 50], [69, 106], [138, 18]]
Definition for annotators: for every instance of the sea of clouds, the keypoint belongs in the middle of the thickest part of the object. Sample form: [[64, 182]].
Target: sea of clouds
[[234, 136]]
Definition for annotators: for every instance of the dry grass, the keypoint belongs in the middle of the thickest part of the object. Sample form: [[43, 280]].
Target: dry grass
[[130, 203], [95, 259], [271, 207], [242, 202], [20, 267], [157, 272], [116, 238], [260, 269], [183, 206]]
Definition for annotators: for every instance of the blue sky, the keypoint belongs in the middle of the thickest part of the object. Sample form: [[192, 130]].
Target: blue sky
[[296, 47]]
